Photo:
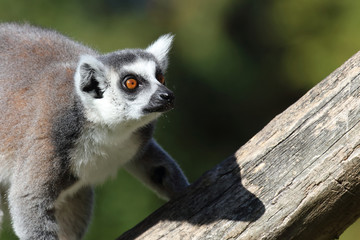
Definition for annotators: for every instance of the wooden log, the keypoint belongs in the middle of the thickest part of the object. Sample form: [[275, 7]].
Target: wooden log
[[298, 178]]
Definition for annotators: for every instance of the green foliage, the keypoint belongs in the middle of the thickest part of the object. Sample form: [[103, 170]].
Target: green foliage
[[234, 66]]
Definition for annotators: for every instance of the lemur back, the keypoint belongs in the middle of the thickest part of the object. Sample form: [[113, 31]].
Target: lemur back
[[70, 118], [32, 69]]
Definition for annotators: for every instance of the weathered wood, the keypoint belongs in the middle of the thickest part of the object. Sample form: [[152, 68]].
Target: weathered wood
[[298, 178]]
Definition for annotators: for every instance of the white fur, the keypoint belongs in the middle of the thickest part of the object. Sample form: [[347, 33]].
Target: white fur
[[104, 110], [101, 151], [161, 47], [94, 108], [92, 61], [113, 108]]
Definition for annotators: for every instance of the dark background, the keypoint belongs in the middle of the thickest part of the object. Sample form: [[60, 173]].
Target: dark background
[[235, 65]]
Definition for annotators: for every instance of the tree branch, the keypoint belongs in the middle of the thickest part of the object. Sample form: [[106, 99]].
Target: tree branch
[[298, 178]]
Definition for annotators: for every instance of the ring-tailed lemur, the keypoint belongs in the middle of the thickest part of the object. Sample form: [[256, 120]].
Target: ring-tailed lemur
[[70, 118]]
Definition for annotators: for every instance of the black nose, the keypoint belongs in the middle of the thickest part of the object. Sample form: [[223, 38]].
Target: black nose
[[168, 96], [161, 101]]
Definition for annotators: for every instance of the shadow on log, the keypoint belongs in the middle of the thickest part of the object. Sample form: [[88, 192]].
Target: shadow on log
[[298, 178], [215, 189]]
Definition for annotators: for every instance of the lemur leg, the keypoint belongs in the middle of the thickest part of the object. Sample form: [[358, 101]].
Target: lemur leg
[[158, 170], [36, 184], [32, 210], [74, 214]]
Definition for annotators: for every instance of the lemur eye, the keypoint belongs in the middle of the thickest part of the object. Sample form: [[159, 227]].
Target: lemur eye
[[160, 78], [131, 83]]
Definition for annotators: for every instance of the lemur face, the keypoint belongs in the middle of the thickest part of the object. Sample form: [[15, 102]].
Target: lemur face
[[125, 85]]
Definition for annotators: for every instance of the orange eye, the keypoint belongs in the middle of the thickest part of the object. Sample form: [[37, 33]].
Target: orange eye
[[131, 83], [161, 78]]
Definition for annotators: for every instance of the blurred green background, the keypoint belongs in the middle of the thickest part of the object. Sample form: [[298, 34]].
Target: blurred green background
[[235, 64]]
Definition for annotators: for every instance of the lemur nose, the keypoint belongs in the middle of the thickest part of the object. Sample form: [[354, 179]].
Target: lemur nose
[[161, 101], [168, 96]]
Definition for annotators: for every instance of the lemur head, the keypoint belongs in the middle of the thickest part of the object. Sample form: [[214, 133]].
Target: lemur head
[[125, 85]]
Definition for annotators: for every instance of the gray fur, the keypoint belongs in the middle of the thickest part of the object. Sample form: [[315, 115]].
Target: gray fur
[[123, 57], [68, 122], [74, 214]]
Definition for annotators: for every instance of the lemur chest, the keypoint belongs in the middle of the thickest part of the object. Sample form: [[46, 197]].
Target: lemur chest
[[98, 155]]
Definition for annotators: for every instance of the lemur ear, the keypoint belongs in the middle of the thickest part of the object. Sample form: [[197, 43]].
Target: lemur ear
[[90, 76], [160, 49]]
